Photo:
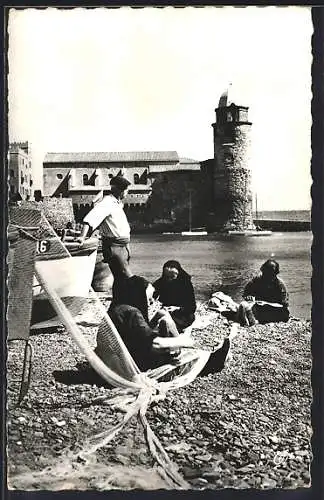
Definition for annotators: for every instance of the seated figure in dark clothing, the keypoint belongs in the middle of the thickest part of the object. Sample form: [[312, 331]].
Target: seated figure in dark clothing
[[149, 345], [265, 297], [175, 291], [129, 313]]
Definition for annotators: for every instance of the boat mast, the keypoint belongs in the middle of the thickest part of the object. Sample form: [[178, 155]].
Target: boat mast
[[189, 209]]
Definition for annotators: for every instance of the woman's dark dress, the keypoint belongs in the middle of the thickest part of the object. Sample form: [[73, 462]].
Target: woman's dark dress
[[178, 292], [269, 291], [129, 313]]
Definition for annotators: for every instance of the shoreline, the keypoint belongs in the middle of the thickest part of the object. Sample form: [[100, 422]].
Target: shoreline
[[225, 430]]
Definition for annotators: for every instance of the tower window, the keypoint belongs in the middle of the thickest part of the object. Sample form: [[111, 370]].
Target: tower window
[[85, 179], [136, 179]]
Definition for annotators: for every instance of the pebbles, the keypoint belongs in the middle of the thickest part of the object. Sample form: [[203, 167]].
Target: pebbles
[[246, 427]]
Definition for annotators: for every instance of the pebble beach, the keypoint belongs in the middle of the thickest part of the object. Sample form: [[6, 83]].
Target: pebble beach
[[246, 427]]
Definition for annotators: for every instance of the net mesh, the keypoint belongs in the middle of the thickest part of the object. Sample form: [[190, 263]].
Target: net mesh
[[62, 288], [63, 294]]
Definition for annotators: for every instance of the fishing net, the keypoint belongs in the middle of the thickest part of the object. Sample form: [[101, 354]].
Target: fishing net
[[63, 293]]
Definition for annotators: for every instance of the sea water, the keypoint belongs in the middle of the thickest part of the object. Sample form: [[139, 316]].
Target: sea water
[[227, 263]]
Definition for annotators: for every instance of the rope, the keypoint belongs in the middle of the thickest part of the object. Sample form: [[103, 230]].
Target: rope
[[68, 321], [24, 231], [147, 390], [132, 396], [26, 228]]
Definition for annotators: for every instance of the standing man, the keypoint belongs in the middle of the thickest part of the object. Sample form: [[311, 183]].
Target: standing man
[[109, 214]]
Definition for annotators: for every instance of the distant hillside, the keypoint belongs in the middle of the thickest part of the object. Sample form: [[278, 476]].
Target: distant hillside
[[300, 215]]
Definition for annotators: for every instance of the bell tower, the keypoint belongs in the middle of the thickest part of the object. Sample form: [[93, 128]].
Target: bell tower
[[231, 173]]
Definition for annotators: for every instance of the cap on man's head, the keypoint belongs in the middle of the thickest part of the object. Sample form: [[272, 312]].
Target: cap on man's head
[[120, 182]]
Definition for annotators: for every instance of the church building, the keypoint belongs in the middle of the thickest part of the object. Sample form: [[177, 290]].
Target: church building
[[167, 191]]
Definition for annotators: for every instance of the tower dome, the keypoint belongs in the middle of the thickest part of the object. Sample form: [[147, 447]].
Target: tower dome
[[232, 95]]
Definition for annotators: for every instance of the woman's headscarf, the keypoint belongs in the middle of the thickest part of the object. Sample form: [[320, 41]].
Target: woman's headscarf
[[270, 267], [176, 292], [131, 291], [176, 265]]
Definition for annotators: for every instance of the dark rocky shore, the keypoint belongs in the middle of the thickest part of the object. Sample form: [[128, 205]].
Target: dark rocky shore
[[246, 427]]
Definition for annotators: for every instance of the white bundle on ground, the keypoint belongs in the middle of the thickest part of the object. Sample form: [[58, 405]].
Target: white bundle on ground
[[221, 302]]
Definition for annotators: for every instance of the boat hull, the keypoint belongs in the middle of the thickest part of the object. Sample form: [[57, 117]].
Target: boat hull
[[70, 277], [194, 233]]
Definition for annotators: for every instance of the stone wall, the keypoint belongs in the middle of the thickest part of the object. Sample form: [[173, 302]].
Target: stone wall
[[54, 180], [232, 199], [242, 146], [232, 177], [58, 211]]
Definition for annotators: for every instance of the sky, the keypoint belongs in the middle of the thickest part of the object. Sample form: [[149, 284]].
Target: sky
[[150, 79]]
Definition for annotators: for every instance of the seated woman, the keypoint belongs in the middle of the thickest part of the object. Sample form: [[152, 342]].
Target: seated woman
[[129, 313], [175, 291], [265, 297], [149, 346]]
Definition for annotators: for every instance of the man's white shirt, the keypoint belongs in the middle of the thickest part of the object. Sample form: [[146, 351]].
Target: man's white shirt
[[110, 216]]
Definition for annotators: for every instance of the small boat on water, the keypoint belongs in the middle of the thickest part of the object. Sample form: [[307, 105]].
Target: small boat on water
[[69, 269], [194, 233]]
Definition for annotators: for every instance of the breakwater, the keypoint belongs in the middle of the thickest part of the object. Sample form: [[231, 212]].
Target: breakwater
[[283, 225]]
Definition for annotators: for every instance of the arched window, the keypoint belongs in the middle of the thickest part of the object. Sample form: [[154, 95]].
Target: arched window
[[85, 179], [136, 179]]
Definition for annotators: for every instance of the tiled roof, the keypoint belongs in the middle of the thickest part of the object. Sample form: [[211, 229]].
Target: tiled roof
[[121, 156], [174, 168]]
